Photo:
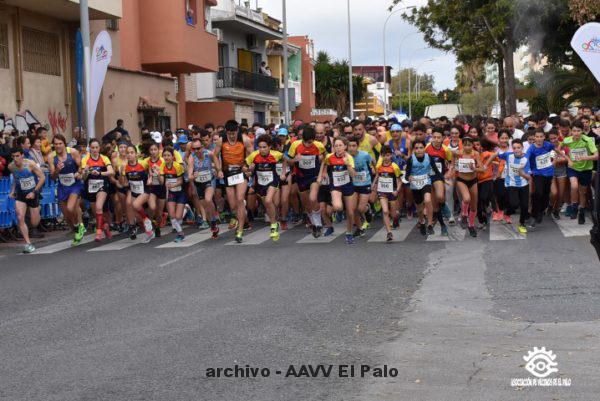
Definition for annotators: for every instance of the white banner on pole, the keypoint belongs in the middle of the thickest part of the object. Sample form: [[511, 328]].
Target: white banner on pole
[[100, 58], [586, 43]]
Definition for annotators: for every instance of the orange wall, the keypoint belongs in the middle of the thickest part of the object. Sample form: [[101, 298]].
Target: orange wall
[[129, 35], [303, 111], [200, 113]]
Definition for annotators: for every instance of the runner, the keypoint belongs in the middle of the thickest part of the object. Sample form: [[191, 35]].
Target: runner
[[485, 180], [419, 170], [559, 181], [499, 166], [540, 156], [467, 165], [442, 157], [65, 168], [307, 156], [201, 164], [366, 142], [28, 180], [363, 166], [388, 183], [582, 154], [96, 170], [282, 144], [340, 169], [233, 148], [263, 165], [135, 175], [119, 196], [171, 176], [158, 193], [454, 144]]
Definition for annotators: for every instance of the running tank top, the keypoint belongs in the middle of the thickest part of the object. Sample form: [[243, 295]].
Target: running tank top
[[203, 167], [25, 179], [66, 176], [232, 155]]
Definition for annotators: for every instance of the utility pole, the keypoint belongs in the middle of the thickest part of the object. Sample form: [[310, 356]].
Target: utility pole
[[351, 89], [286, 97], [85, 38]]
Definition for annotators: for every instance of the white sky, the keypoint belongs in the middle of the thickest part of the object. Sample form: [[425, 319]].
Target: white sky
[[325, 22]]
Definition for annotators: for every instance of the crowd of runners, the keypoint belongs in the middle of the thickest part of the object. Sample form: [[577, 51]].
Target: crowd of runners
[[468, 171]]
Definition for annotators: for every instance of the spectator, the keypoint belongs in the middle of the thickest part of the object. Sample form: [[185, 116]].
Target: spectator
[[263, 69]]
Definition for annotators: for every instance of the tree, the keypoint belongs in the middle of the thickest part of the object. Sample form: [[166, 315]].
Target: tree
[[332, 89], [479, 102], [417, 105], [448, 96], [426, 82]]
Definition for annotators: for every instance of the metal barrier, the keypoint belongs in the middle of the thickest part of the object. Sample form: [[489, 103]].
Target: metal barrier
[[49, 207]]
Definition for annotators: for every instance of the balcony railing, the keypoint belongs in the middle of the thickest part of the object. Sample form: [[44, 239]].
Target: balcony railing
[[229, 77]]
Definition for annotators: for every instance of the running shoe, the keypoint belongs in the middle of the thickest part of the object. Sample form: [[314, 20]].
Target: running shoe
[[396, 223], [98, 236], [500, 215], [377, 206], [328, 232], [148, 225], [446, 211], [451, 220], [522, 229], [274, 231], [369, 215], [28, 248], [132, 233], [79, 234], [507, 219], [365, 226], [214, 228], [390, 237], [472, 232], [423, 229], [581, 217], [316, 231], [463, 222], [149, 236], [179, 238], [199, 221], [531, 224], [156, 230], [573, 212], [430, 230], [358, 232], [556, 214], [247, 226], [283, 225], [232, 224], [107, 232], [204, 225], [349, 239], [482, 226], [238, 236], [495, 216], [445, 231]]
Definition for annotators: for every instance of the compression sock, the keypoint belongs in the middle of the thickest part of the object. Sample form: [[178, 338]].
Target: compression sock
[[99, 221], [464, 209], [472, 215]]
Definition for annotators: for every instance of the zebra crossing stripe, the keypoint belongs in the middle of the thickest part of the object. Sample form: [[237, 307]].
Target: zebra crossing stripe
[[61, 246], [193, 239], [339, 229], [126, 242], [399, 235], [259, 236], [455, 233], [570, 227], [504, 232]]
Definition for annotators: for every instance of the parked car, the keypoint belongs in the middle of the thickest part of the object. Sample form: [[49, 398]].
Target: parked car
[[438, 110]]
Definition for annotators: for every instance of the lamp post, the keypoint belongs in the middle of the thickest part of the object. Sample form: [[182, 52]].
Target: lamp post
[[350, 88], [400, 65], [385, 97], [85, 38], [419, 77], [286, 85], [409, 78]]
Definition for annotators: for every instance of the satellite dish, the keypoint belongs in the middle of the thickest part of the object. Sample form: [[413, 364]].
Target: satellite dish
[[21, 123], [30, 118]]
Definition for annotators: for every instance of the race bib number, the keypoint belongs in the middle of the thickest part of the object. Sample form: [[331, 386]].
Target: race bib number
[[578, 154], [204, 176], [264, 177], [543, 161], [155, 180], [360, 178], [173, 181], [27, 184], [340, 178], [419, 181], [66, 179], [385, 185], [95, 185], [514, 170], [279, 168], [307, 162], [464, 165], [235, 179], [137, 187]]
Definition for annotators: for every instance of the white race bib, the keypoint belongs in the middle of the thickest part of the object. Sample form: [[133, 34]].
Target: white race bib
[[279, 168], [438, 165], [171, 181], [419, 181], [341, 178], [264, 177], [464, 165], [235, 179], [155, 180], [66, 179], [137, 187], [514, 169], [204, 176], [27, 183], [577, 154], [308, 162], [385, 185], [360, 178], [95, 185], [543, 161]]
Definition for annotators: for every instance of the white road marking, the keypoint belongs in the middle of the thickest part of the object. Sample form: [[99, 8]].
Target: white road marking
[[455, 233], [194, 239], [61, 246], [126, 242], [504, 232], [570, 228], [339, 229], [399, 235]]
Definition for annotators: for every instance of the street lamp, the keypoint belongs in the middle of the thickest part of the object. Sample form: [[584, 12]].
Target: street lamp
[[385, 97], [286, 85], [350, 88], [409, 78], [419, 77], [400, 64]]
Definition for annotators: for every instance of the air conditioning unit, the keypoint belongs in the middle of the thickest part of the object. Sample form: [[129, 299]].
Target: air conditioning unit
[[251, 41], [218, 33]]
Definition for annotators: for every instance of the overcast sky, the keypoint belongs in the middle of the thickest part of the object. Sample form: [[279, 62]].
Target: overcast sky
[[325, 22]]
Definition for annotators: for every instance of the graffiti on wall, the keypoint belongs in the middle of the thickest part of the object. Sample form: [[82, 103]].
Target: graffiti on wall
[[58, 122]]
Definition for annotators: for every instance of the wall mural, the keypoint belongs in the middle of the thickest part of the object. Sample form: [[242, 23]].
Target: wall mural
[[58, 122]]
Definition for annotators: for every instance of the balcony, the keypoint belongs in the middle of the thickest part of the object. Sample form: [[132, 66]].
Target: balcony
[[238, 84]]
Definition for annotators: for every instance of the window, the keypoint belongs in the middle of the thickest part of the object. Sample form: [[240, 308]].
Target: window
[[190, 12], [41, 52], [223, 55], [112, 24], [4, 46]]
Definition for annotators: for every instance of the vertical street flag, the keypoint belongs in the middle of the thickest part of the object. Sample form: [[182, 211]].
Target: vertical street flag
[[79, 75], [101, 55], [586, 43]]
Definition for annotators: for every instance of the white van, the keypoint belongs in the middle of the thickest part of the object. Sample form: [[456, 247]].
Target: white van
[[438, 110]]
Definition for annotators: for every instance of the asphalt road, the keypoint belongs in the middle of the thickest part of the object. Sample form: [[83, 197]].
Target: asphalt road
[[454, 318]]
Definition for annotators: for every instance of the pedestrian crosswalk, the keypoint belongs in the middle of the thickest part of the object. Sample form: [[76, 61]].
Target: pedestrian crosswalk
[[408, 233]]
